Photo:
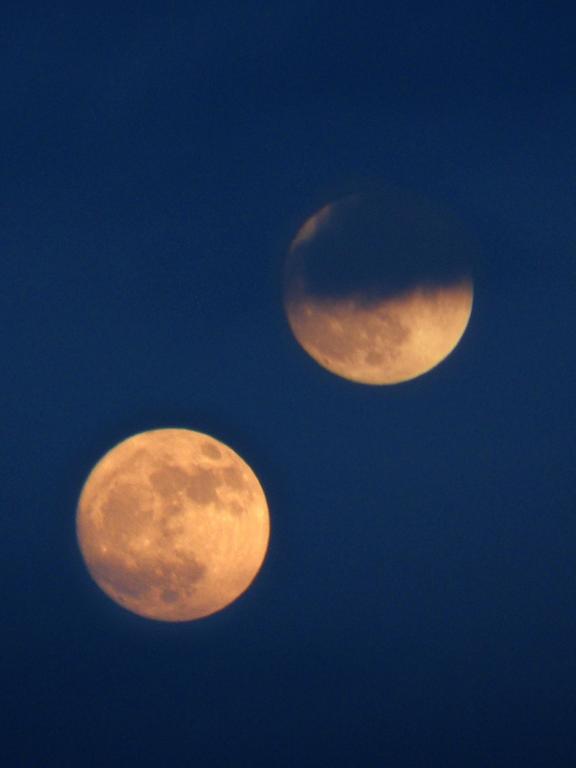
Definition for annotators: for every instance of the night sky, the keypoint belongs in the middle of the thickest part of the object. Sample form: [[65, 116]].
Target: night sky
[[417, 607]]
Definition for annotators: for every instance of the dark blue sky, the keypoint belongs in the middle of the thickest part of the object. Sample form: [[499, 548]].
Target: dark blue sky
[[418, 603]]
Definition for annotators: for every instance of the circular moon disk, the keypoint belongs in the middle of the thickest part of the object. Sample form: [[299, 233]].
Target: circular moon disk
[[378, 292], [172, 524]]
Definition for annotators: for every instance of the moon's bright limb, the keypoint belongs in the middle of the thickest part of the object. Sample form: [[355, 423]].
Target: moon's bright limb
[[388, 320], [172, 524]]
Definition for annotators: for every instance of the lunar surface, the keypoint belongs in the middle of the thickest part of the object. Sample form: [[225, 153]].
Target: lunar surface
[[172, 524], [377, 293]]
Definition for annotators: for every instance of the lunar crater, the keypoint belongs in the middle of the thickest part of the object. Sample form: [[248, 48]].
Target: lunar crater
[[211, 451]]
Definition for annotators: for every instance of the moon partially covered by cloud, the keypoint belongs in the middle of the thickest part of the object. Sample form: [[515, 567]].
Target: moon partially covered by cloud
[[378, 289], [172, 524]]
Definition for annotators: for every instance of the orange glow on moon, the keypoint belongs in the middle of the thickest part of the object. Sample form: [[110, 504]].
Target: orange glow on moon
[[172, 524], [365, 337]]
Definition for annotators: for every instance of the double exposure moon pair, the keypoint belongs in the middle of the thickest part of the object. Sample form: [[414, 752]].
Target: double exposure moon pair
[[172, 524]]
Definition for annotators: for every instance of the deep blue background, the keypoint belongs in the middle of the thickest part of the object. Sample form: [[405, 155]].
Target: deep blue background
[[418, 603]]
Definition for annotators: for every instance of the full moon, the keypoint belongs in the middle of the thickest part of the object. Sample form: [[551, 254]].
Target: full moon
[[378, 290], [172, 524]]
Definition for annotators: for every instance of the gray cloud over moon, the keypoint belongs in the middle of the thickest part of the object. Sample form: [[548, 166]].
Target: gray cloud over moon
[[379, 245]]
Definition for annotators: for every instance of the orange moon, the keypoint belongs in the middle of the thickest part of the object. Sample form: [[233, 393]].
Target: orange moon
[[377, 293], [172, 524]]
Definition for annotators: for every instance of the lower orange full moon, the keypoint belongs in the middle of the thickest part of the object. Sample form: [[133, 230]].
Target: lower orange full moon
[[378, 292], [172, 524]]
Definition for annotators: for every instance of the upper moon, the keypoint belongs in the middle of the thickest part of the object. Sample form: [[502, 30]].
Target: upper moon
[[172, 524], [378, 289]]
